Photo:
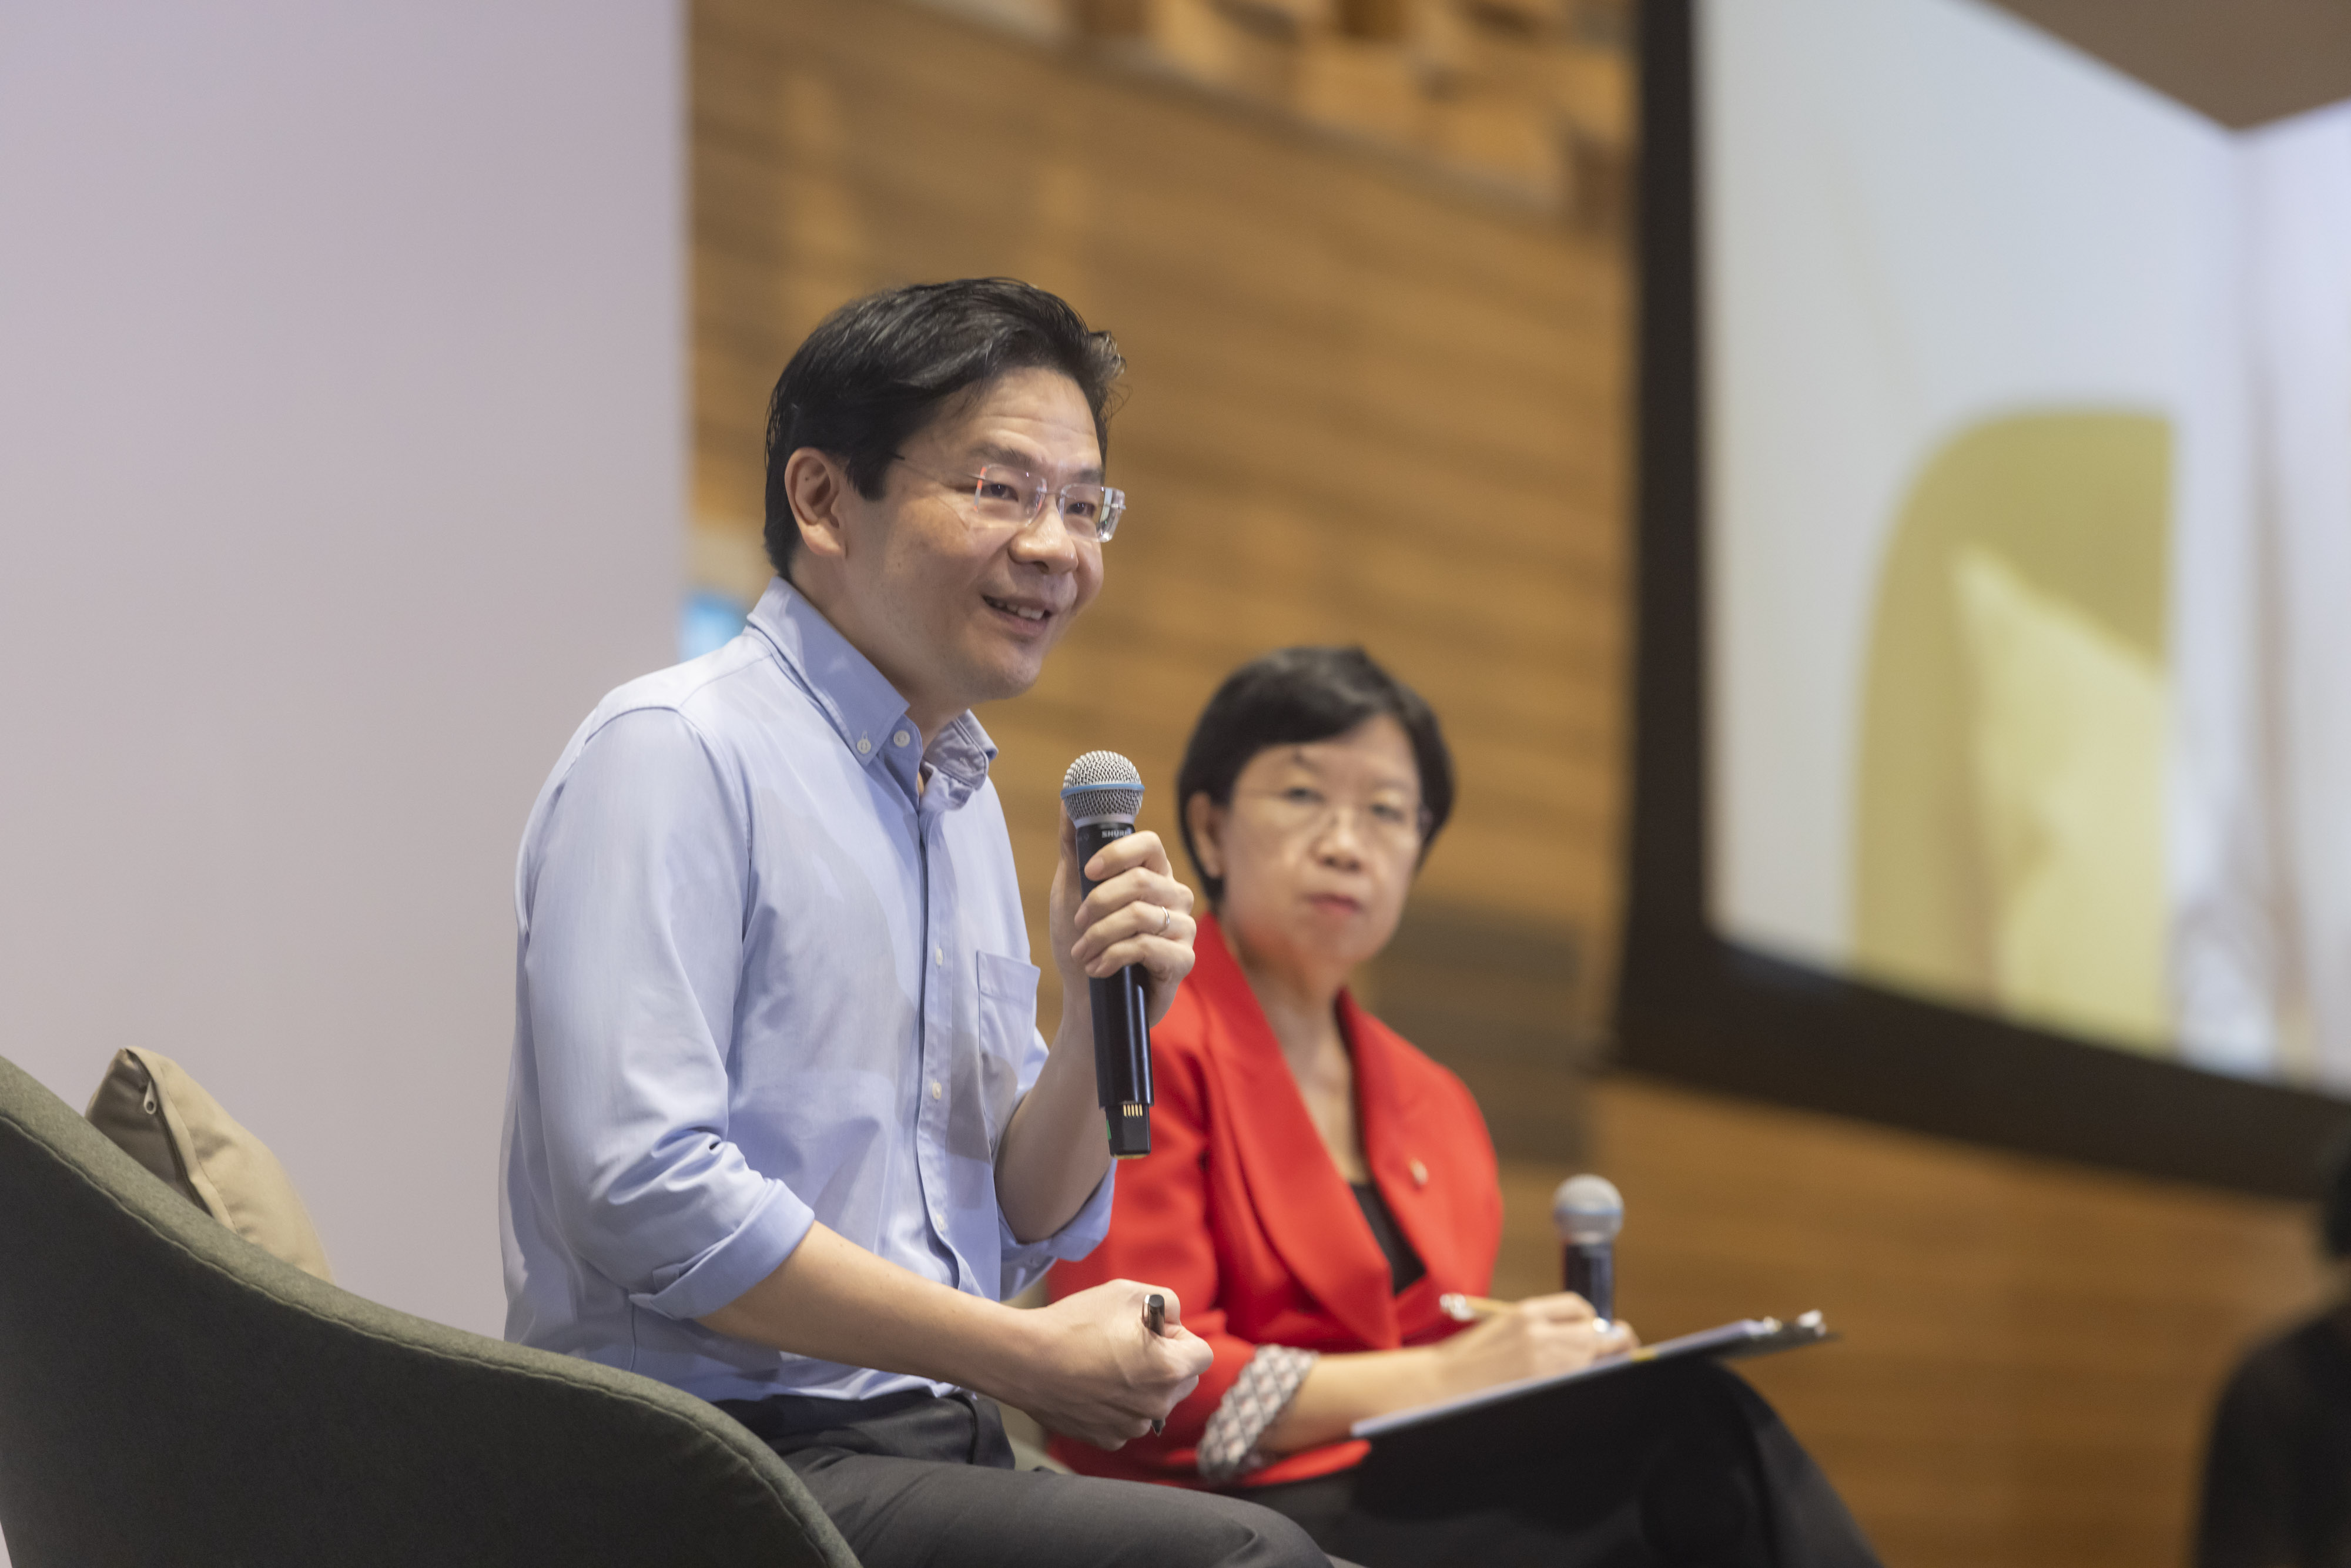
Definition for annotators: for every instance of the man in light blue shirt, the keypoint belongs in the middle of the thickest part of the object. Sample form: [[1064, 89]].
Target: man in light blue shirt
[[781, 1129]]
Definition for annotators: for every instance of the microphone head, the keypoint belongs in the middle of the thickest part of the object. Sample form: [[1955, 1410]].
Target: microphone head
[[1586, 1209], [1101, 786]]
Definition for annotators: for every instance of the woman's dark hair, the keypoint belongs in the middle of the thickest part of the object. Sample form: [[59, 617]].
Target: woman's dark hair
[[877, 370], [1289, 698]]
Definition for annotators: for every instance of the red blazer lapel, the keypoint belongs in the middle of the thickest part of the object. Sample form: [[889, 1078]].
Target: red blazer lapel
[[1307, 1211], [1431, 1164]]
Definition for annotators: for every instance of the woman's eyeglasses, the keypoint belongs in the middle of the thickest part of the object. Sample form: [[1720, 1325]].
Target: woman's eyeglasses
[[1302, 810]]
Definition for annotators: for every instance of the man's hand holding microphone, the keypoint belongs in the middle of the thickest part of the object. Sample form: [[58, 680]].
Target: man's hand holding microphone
[[1101, 1366], [1123, 933]]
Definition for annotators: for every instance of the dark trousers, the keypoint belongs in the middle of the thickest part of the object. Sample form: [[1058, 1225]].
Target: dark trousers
[[1679, 1464], [912, 1479]]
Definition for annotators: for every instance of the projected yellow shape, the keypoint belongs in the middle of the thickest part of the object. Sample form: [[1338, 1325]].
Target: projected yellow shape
[[2068, 731], [2009, 829]]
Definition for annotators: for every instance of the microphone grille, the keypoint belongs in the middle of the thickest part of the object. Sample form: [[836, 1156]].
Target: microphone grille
[[1587, 1208], [1104, 784]]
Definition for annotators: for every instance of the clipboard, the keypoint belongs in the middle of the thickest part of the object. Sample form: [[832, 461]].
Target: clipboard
[[1731, 1342]]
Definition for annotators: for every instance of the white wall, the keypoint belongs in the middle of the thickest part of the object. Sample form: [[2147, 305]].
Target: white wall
[[342, 431]]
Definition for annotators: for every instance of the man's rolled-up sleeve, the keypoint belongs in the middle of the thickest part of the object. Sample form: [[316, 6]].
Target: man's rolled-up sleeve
[[633, 941], [1025, 1262]]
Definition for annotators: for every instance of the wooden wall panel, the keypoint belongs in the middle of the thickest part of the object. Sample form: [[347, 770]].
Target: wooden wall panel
[[1367, 407], [2031, 1348], [1360, 409]]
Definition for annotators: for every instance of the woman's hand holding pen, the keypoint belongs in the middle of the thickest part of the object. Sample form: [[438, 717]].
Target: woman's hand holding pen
[[1533, 1338], [1510, 1340]]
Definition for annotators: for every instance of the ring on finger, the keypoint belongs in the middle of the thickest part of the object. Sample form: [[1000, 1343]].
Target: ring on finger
[[1164, 917]]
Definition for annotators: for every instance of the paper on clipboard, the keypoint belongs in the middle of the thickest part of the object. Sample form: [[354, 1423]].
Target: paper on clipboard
[[1749, 1336]]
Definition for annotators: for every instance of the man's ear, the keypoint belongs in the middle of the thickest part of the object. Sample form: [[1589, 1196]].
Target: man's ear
[[1207, 824], [818, 485]]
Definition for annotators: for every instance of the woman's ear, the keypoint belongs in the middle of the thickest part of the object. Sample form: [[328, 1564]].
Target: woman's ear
[[1206, 820], [817, 485]]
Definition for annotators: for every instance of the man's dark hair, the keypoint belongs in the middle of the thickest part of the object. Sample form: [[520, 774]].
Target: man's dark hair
[[1292, 697], [877, 370]]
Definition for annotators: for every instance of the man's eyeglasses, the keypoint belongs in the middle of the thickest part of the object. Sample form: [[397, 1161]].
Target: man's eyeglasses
[[1014, 496]]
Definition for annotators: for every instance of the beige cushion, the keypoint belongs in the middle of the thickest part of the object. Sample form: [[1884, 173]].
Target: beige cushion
[[160, 1117]]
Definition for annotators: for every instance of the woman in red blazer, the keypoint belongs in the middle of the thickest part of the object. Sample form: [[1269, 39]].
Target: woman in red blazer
[[1316, 1185]]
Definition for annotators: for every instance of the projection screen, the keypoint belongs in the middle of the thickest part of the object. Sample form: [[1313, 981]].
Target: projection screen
[[1995, 695]]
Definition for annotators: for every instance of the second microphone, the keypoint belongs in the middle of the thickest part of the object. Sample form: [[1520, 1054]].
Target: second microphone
[[1102, 791]]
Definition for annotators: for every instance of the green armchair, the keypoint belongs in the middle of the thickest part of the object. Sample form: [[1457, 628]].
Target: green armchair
[[171, 1393]]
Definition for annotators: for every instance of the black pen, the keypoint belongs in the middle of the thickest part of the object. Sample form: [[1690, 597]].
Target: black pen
[[1155, 1318]]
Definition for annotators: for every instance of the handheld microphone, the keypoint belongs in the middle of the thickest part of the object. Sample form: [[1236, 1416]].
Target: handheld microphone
[[1588, 1212], [1103, 791]]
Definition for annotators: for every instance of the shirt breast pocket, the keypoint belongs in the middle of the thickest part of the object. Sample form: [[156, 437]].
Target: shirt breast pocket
[[1007, 1030]]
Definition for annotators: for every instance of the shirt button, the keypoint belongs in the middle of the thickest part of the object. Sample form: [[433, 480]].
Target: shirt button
[[864, 746], [1419, 1173], [939, 956], [935, 1090], [900, 738]]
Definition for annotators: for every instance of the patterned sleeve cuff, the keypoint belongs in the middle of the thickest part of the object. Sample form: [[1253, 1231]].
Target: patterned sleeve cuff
[[1255, 1402]]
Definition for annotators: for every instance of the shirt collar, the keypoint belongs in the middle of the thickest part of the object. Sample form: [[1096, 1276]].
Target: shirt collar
[[865, 709]]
